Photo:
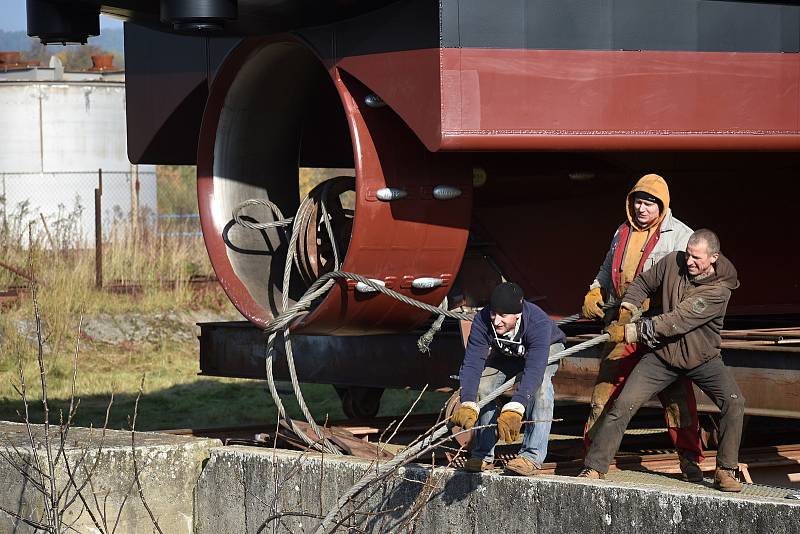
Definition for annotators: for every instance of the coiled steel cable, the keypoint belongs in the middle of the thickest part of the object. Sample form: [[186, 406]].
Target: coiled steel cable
[[281, 222], [319, 288]]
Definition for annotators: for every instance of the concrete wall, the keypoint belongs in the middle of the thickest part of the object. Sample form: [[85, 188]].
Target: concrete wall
[[193, 485], [237, 493], [169, 467]]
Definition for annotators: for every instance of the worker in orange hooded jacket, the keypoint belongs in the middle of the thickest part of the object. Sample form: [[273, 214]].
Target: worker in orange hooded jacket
[[649, 233]]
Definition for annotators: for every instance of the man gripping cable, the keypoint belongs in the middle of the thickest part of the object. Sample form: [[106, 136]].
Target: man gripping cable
[[682, 341], [509, 337], [649, 233]]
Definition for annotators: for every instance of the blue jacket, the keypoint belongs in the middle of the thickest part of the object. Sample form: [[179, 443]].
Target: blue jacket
[[538, 331]]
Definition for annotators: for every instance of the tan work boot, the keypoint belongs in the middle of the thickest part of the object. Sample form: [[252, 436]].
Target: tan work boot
[[522, 466], [476, 465], [725, 480], [594, 474], [690, 469]]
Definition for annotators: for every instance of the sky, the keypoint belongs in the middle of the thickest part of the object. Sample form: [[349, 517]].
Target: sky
[[12, 17]]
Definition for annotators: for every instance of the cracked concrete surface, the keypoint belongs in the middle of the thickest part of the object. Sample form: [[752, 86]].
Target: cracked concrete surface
[[169, 467]]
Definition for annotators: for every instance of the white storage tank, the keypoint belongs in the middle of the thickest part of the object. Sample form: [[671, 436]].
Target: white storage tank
[[56, 130]]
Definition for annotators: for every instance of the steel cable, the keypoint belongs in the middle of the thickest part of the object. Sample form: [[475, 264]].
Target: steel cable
[[317, 289], [282, 222], [410, 453], [282, 322]]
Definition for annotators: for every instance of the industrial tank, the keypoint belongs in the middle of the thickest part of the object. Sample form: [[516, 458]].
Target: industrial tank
[[59, 129]]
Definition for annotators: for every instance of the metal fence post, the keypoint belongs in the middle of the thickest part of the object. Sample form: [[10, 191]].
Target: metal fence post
[[98, 232]]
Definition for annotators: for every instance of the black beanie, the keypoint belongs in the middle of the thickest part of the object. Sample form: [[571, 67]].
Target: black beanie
[[507, 298], [644, 195]]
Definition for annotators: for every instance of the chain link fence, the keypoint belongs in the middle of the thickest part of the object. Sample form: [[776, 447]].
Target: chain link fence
[[129, 213]]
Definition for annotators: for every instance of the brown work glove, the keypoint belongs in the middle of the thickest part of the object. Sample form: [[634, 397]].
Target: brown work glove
[[593, 304], [465, 416], [628, 313], [508, 426], [622, 333]]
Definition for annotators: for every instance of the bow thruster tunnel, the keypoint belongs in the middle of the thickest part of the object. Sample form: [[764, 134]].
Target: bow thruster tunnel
[[276, 106]]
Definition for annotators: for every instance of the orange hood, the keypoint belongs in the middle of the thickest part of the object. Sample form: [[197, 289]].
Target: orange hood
[[652, 184]]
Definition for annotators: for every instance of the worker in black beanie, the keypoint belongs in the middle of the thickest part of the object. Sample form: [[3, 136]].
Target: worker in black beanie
[[509, 337], [506, 298]]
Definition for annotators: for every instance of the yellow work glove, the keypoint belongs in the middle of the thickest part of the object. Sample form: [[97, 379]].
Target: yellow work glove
[[622, 333], [465, 416], [508, 426], [593, 304], [628, 313], [616, 332]]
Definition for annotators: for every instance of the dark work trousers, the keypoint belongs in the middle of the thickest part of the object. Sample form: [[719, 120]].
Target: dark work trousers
[[651, 376]]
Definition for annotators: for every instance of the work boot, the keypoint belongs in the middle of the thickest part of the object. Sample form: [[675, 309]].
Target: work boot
[[594, 474], [690, 469], [725, 480], [522, 466], [476, 465]]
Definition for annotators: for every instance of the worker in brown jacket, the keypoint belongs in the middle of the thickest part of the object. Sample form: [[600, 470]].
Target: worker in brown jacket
[[650, 232], [684, 340]]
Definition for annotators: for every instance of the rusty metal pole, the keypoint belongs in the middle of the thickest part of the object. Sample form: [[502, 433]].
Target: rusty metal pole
[[98, 232], [18, 272]]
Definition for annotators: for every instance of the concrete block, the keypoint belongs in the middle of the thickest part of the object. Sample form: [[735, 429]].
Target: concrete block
[[169, 467], [241, 488]]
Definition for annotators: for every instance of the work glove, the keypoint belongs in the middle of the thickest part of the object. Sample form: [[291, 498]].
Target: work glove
[[628, 313], [508, 425], [593, 304], [622, 333], [465, 416]]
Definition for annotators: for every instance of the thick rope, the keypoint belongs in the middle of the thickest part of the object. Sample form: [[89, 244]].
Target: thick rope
[[320, 286], [278, 222], [413, 451], [320, 443], [569, 319], [425, 340], [317, 289], [287, 274]]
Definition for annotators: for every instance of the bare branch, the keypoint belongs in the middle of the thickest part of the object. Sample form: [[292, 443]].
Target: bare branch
[[79, 492], [408, 412], [135, 465], [35, 524], [49, 500]]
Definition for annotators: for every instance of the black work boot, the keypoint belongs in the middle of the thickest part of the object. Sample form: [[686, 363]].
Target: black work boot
[[690, 468], [725, 480]]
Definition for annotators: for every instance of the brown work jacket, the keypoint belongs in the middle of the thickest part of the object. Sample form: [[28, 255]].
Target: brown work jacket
[[688, 331]]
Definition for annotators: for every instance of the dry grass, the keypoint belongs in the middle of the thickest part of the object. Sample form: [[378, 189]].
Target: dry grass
[[175, 396]]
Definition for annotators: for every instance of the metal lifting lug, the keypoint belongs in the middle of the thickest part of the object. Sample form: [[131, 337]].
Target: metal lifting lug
[[426, 282], [387, 194], [446, 192], [361, 287], [374, 101]]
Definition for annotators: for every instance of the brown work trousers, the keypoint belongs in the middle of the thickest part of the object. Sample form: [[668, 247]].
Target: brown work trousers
[[651, 376], [678, 400]]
